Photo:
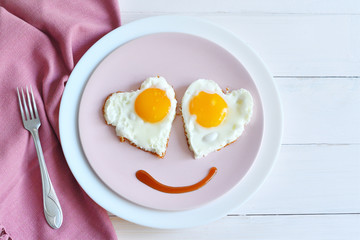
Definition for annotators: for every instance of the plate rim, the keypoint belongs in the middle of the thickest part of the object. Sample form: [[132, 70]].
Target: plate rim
[[112, 202]]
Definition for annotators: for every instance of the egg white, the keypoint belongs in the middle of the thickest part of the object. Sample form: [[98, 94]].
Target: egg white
[[119, 111], [203, 141]]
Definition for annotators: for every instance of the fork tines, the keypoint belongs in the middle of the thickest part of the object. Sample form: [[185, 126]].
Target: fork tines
[[26, 109]]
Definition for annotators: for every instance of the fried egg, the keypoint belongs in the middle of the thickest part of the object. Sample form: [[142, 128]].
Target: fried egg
[[143, 117], [212, 118]]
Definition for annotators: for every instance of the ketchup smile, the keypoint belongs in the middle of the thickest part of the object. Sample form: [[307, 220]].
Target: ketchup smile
[[147, 179]]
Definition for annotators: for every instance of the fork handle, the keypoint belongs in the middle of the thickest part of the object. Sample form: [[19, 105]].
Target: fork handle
[[52, 208]]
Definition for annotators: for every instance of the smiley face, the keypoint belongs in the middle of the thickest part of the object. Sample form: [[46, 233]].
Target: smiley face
[[211, 118], [181, 59]]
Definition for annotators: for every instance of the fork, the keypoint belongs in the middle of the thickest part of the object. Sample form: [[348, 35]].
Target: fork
[[31, 121]]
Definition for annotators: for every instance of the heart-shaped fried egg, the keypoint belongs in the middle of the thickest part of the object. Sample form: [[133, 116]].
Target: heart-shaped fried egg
[[212, 118], [143, 117]]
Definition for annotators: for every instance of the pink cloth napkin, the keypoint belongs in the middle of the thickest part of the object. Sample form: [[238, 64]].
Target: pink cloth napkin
[[40, 42]]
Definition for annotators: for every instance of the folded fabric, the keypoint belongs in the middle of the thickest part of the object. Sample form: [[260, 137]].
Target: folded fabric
[[40, 43]]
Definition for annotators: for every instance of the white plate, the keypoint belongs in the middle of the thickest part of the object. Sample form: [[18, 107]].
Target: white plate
[[115, 204]]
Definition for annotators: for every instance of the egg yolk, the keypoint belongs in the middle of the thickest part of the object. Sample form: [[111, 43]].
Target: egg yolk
[[152, 105], [210, 109]]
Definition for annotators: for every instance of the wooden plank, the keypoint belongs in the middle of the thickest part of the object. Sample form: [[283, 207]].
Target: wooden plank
[[252, 227], [310, 179], [234, 6], [320, 110], [294, 45]]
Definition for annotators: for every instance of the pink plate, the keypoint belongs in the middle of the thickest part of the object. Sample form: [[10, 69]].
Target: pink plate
[[181, 59]]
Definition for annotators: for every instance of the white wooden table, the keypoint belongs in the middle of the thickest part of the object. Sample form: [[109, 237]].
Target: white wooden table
[[312, 49]]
